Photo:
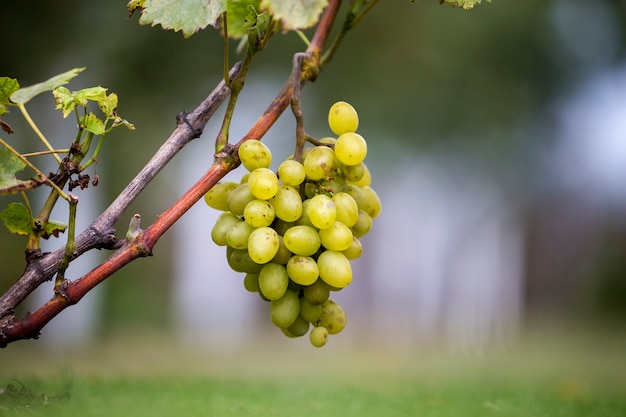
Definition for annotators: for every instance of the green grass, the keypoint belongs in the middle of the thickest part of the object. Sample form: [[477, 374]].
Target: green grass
[[148, 379]]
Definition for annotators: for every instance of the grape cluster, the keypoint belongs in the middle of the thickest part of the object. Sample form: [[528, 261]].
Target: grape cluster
[[294, 232]]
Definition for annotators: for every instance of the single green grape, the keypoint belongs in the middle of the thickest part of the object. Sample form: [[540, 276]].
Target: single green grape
[[304, 218], [363, 224], [302, 240], [310, 312], [239, 198], [333, 317], [285, 310], [302, 270], [319, 162], [335, 269], [353, 173], [299, 327], [370, 203], [220, 229], [217, 196], [318, 336], [273, 281], [263, 244], [237, 236], [239, 261], [263, 183], [251, 282], [287, 203], [355, 250], [337, 237], [347, 209], [321, 211], [255, 154], [291, 172], [351, 149], [365, 180], [259, 213], [342, 118], [316, 293], [283, 254]]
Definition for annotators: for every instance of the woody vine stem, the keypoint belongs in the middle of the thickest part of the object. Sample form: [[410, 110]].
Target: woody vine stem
[[140, 243]]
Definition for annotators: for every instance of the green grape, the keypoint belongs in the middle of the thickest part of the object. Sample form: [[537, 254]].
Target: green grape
[[302, 270], [285, 310], [254, 154], [287, 203], [337, 237], [298, 328], [282, 226], [320, 162], [273, 281], [347, 209], [342, 118], [251, 282], [304, 218], [363, 224], [321, 211], [333, 317], [351, 149], [259, 213], [371, 202], [217, 196], [239, 198], [318, 336], [355, 192], [310, 312], [237, 236], [365, 180], [335, 269], [316, 293], [263, 183], [353, 173], [263, 244], [334, 184], [291, 172], [355, 250], [239, 261], [244, 178], [302, 240], [223, 223], [328, 140], [283, 254]]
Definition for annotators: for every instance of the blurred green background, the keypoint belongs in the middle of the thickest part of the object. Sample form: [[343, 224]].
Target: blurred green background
[[497, 144]]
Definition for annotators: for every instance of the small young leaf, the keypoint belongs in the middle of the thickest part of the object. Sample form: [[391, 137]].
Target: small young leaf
[[108, 106], [8, 86], [16, 218], [295, 14], [9, 166], [93, 124], [65, 100], [97, 94], [466, 4], [189, 16], [24, 95], [236, 14], [53, 228]]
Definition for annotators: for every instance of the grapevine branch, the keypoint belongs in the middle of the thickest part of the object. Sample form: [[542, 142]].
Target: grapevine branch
[[101, 234]]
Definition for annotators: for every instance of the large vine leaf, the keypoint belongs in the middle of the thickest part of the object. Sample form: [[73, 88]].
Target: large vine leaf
[[189, 16], [295, 14], [24, 95]]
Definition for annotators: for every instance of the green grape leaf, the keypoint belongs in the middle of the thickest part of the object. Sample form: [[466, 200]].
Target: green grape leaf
[[53, 228], [134, 5], [108, 106], [189, 16], [236, 17], [65, 100], [24, 95], [300, 14], [466, 4], [9, 166], [8, 86], [92, 124], [16, 218], [97, 94]]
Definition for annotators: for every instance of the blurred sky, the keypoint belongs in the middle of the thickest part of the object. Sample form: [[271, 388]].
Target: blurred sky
[[497, 144]]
